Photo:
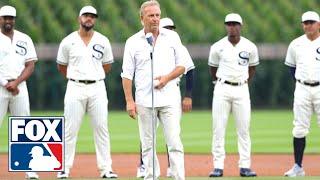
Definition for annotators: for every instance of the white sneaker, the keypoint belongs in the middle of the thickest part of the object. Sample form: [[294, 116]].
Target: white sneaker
[[295, 171], [109, 175], [141, 171], [169, 172], [63, 174], [32, 175]]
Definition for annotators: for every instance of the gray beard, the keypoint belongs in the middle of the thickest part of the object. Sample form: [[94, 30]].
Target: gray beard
[[87, 28]]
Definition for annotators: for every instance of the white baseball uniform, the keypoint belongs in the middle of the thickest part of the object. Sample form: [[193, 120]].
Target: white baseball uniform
[[168, 54], [13, 56], [86, 92], [233, 63], [304, 55]]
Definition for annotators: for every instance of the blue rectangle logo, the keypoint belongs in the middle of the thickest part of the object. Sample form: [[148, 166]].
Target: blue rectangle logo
[[36, 144]]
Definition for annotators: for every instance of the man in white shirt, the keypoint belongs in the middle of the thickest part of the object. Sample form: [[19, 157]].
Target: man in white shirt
[[168, 65], [84, 57], [303, 58], [232, 62], [167, 23], [17, 59]]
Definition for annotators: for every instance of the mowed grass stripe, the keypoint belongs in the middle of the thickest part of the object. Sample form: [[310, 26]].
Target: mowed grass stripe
[[270, 131]]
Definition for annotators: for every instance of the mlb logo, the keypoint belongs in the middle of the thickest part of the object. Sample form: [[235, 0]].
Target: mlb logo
[[36, 143]]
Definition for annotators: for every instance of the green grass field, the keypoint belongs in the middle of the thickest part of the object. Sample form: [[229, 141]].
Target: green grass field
[[270, 132]]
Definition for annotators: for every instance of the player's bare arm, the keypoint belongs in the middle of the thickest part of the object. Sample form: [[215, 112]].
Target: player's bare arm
[[252, 71], [12, 86], [127, 89], [213, 72], [107, 68], [62, 69], [187, 100], [163, 80]]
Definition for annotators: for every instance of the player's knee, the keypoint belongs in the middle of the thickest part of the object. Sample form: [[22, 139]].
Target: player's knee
[[300, 132]]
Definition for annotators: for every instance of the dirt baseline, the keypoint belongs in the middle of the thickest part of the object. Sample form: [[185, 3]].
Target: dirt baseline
[[125, 165]]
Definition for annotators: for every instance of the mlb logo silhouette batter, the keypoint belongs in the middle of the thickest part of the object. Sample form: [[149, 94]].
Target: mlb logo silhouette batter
[[36, 144]]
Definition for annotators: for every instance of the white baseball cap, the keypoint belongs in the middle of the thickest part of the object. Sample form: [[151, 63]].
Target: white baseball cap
[[310, 16], [88, 9], [233, 17], [166, 22], [8, 11]]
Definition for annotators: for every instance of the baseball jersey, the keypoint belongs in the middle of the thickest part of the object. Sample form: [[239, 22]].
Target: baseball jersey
[[85, 62], [188, 60], [168, 54], [304, 54], [14, 54], [233, 61]]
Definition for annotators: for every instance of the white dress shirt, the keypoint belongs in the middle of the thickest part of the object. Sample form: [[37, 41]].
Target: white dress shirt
[[168, 54]]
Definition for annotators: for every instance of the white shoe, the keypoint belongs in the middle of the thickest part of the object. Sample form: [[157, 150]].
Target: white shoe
[[169, 172], [63, 174], [295, 171], [32, 175], [141, 171], [109, 175]]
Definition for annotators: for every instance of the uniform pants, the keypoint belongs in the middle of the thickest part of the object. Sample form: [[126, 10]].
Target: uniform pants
[[169, 116], [306, 100], [18, 105], [226, 99], [91, 98]]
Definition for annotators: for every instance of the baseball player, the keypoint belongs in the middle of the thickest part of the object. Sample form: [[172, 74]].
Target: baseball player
[[303, 58], [83, 58], [187, 99], [232, 62], [168, 62], [17, 59]]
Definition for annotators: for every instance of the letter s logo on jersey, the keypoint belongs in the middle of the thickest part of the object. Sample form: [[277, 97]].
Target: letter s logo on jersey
[[244, 58], [318, 54], [36, 143], [21, 48], [97, 51]]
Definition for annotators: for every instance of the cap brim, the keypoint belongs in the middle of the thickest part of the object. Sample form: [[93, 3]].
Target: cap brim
[[96, 15], [232, 22], [174, 27]]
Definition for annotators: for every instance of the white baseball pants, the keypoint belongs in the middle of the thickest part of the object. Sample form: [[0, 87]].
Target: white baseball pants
[[169, 116], [91, 98], [18, 105], [235, 99], [306, 100]]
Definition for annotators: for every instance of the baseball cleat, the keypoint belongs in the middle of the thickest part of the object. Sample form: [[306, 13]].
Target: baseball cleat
[[109, 175], [216, 173], [247, 172], [141, 171], [32, 175], [63, 175], [169, 172], [295, 171]]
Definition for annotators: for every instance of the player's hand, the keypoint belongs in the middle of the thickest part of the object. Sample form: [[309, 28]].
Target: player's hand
[[11, 86], [131, 109], [186, 104], [161, 81], [15, 92]]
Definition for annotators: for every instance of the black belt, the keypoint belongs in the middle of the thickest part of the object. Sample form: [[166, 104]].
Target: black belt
[[10, 80], [317, 83], [85, 81], [233, 83]]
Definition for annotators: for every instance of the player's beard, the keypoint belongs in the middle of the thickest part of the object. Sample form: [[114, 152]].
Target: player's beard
[[7, 27], [87, 27]]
